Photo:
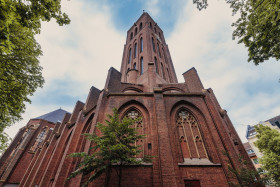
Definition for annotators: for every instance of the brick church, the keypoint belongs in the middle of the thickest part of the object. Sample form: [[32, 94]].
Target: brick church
[[187, 131]]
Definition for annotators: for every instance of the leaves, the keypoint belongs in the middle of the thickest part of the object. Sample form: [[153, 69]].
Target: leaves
[[269, 144], [20, 72], [115, 147]]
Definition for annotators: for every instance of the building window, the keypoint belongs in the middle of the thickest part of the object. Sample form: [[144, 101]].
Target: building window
[[129, 56], [190, 138], [159, 35], [155, 30], [156, 65], [141, 45], [249, 151], [134, 66], [141, 25], [135, 50], [141, 66], [163, 74], [158, 50], [192, 183], [135, 31], [39, 140], [277, 123], [138, 125], [153, 44], [131, 35], [150, 24], [165, 58]]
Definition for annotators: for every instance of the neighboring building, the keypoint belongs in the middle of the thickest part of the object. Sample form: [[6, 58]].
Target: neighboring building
[[252, 155], [28, 141], [187, 131], [251, 134]]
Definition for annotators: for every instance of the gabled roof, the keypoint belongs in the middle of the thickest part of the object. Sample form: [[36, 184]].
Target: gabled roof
[[54, 116]]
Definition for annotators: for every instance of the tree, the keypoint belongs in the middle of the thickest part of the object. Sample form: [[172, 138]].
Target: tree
[[20, 72], [269, 144], [115, 148], [258, 27]]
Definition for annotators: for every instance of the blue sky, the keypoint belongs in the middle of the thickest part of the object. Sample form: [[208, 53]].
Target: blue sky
[[76, 56]]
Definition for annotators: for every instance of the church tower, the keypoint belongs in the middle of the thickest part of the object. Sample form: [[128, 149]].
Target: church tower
[[190, 136]]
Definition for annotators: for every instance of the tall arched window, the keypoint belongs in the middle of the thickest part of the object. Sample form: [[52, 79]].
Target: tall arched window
[[129, 56], [156, 65], [189, 135], [135, 31], [39, 140], [141, 66], [163, 74], [135, 114], [141, 25], [141, 45], [159, 35], [153, 44], [158, 50], [135, 50], [131, 35]]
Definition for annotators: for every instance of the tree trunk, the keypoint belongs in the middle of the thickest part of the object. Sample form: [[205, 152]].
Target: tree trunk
[[108, 176]]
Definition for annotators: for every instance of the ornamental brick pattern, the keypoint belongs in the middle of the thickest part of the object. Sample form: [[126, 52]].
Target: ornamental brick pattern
[[186, 130]]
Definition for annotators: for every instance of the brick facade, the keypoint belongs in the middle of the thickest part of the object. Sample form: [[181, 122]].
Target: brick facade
[[186, 130]]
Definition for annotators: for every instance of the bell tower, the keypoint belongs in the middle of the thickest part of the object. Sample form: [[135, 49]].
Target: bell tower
[[146, 58]]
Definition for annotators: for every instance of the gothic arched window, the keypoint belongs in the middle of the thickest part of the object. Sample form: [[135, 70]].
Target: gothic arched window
[[135, 114], [135, 31], [189, 135], [39, 140], [141, 66], [141, 25], [156, 65], [135, 50], [129, 56], [141, 44]]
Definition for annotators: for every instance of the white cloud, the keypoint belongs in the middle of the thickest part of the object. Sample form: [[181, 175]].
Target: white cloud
[[152, 7]]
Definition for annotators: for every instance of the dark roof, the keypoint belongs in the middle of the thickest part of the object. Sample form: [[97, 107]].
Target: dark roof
[[54, 116], [275, 121]]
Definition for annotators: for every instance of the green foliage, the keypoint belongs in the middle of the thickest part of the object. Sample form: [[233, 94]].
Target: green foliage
[[4, 142], [245, 175], [113, 149], [20, 72], [269, 144], [257, 27]]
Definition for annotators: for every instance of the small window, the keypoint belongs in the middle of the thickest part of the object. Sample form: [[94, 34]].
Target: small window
[[156, 65], [141, 45], [277, 123], [135, 31], [129, 56], [134, 66], [155, 30], [141, 25], [153, 44], [135, 50], [150, 24], [159, 35], [128, 69], [131, 35], [168, 75], [141, 66], [149, 146]]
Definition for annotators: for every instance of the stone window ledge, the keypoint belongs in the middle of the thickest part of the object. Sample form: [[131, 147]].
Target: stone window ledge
[[197, 162]]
